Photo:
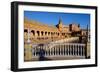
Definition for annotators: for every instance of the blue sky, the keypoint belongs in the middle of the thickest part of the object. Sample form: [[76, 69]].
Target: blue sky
[[52, 18]]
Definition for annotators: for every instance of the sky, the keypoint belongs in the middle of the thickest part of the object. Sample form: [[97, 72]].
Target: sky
[[52, 18]]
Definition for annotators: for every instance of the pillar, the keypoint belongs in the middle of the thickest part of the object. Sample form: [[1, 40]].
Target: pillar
[[28, 51]]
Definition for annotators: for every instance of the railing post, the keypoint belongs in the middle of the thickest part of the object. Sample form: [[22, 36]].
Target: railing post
[[84, 51], [59, 50], [62, 52], [81, 50], [78, 49], [68, 50], [64, 49], [73, 50], [35, 51], [32, 51], [50, 52]]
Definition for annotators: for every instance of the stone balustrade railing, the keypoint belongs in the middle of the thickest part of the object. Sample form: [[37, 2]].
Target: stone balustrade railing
[[58, 49]]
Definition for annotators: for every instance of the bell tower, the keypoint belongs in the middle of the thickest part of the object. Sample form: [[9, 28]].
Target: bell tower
[[60, 25]]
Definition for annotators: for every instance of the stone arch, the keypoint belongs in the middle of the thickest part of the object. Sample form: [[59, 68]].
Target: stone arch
[[45, 32], [58, 34], [25, 30], [48, 33], [38, 33], [51, 33], [33, 32], [42, 33]]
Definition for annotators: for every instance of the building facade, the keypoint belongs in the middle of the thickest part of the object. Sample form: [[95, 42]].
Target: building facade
[[42, 32]]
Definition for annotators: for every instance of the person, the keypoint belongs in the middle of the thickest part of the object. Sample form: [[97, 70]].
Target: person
[[41, 55]]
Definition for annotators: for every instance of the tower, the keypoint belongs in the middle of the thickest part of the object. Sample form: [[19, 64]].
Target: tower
[[60, 25]]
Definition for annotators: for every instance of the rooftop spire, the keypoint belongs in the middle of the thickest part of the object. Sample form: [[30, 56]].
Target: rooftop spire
[[60, 21], [60, 24]]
